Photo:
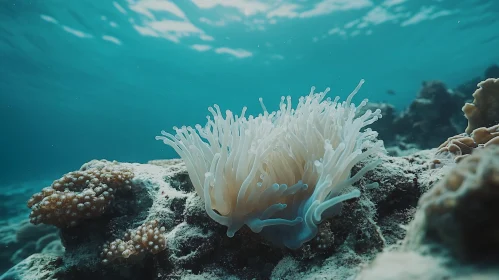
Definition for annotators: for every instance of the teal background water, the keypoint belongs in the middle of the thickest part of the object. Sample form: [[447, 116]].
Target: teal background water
[[99, 79]]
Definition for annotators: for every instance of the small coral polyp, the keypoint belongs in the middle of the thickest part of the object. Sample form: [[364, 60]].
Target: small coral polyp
[[147, 238], [79, 195]]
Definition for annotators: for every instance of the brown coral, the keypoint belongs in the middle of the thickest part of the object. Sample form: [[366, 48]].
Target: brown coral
[[149, 237], [79, 195], [484, 111], [460, 210], [462, 145]]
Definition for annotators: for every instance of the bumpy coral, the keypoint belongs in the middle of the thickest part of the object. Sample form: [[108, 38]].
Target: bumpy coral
[[149, 237], [463, 145], [79, 195], [461, 209], [484, 111]]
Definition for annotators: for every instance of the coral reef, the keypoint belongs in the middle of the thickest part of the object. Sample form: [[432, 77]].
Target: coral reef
[[163, 203], [407, 220], [419, 121], [196, 246], [415, 128]]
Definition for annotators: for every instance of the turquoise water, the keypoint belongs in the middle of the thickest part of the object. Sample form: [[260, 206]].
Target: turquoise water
[[100, 79]]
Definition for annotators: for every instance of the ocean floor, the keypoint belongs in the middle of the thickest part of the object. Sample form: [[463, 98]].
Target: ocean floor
[[430, 217]]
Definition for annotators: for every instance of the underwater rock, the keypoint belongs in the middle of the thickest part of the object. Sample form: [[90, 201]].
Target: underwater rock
[[40, 266], [21, 239], [459, 211], [197, 246], [402, 181]]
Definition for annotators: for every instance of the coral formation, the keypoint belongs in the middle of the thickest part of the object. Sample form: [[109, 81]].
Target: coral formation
[[79, 195], [484, 111], [481, 113], [453, 235], [463, 145], [459, 210]]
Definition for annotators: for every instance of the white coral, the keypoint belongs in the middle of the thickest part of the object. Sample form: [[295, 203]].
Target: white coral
[[281, 172]]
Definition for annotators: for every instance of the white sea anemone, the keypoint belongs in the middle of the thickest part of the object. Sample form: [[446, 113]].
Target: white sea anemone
[[280, 173]]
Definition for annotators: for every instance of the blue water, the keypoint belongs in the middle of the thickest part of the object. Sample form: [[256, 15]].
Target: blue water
[[99, 79]]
